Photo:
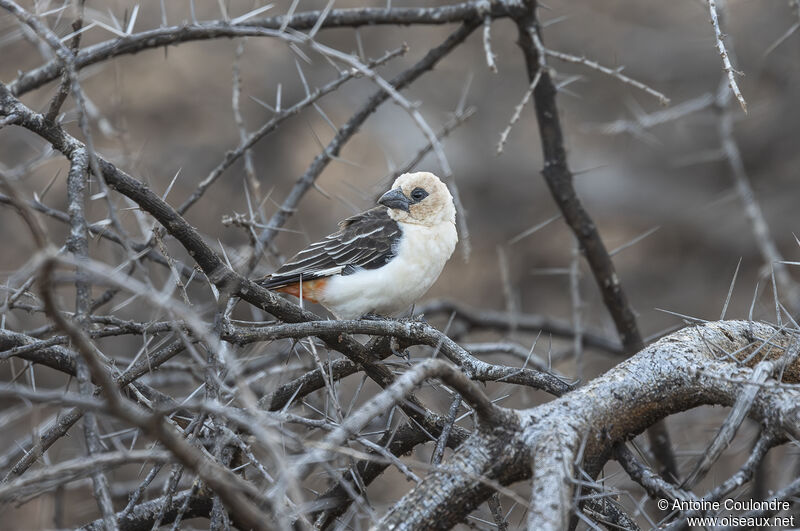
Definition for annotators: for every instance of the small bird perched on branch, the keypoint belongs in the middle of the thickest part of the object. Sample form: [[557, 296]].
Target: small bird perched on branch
[[380, 261]]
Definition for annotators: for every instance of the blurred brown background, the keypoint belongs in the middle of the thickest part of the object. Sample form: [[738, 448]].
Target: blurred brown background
[[169, 110]]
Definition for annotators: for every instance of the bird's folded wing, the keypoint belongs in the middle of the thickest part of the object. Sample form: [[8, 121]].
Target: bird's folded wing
[[365, 241]]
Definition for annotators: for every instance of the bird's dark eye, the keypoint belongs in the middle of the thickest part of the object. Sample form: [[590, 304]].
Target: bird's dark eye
[[418, 194]]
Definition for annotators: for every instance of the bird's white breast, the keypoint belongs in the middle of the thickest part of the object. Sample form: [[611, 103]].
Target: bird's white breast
[[421, 254]]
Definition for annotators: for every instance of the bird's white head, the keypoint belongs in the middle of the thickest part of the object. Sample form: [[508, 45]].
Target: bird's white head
[[420, 198]]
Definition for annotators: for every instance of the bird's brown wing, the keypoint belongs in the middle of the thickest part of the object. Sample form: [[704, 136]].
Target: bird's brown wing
[[364, 241]]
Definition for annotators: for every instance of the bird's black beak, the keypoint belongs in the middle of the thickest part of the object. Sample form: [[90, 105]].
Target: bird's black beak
[[395, 199]]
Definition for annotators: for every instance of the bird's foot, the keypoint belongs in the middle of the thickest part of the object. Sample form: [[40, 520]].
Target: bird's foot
[[414, 319], [369, 316], [409, 317]]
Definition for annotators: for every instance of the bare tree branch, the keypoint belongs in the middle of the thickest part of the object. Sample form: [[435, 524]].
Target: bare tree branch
[[238, 406], [558, 176]]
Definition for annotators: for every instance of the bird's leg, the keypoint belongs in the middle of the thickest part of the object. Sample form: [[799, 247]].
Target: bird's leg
[[409, 316]]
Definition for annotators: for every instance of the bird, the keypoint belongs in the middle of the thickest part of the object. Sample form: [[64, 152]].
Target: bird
[[380, 261]]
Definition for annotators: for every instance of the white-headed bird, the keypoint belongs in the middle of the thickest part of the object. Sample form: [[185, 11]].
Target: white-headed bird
[[380, 261]]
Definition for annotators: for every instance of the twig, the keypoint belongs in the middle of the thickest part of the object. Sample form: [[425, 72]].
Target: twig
[[249, 167], [78, 244], [48, 478], [738, 413], [481, 319], [643, 122], [213, 266], [726, 62], [577, 307], [795, 6], [655, 485], [68, 61], [487, 43], [414, 333], [99, 230], [518, 111], [615, 73], [392, 395], [250, 140], [64, 86], [441, 442], [758, 223], [337, 18], [305, 182], [458, 119], [769, 508], [188, 504], [766, 440], [559, 179], [225, 483], [497, 512]]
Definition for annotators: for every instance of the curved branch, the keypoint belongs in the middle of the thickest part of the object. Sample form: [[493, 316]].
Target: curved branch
[[398, 442], [64, 472], [171, 35], [217, 271], [448, 494], [479, 319], [490, 415], [558, 177], [708, 364], [233, 491], [144, 515], [412, 333]]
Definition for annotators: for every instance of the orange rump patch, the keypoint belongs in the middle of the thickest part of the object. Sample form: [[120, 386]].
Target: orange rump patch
[[312, 289]]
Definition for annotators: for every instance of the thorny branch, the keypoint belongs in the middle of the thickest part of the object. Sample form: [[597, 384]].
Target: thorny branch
[[243, 411], [559, 179]]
